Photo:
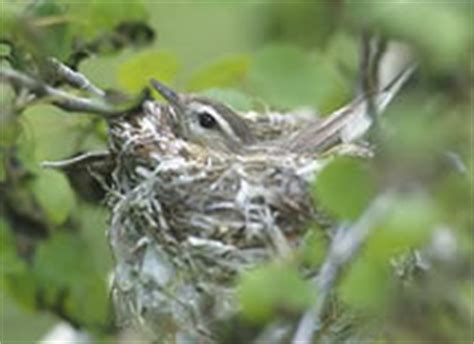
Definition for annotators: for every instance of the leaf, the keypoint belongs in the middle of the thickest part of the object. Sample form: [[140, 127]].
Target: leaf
[[286, 76], [408, 225], [446, 48], [5, 50], [226, 72], [89, 300], [15, 278], [96, 17], [9, 130], [366, 286], [260, 299], [314, 247], [43, 30], [9, 259], [233, 98], [54, 194], [9, 124], [344, 187], [3, 172], [48, 134], [21, 287], [135, 73], [9, 16], [61, 265]]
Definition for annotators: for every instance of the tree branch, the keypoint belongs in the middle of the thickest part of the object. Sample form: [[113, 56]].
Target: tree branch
[[75, 79], [345, 244], [60, 98]]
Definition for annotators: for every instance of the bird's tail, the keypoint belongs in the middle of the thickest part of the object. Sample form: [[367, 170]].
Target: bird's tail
[[351, 122]]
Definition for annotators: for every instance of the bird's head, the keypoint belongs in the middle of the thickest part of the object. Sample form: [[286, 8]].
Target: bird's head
[[206, 122]]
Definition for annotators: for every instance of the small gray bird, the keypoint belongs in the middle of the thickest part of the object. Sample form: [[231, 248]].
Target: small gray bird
[[201, 193]]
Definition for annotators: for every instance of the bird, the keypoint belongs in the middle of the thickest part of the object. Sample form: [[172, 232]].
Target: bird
[[201, 193]]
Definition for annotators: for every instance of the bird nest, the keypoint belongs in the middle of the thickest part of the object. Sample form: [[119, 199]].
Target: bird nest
[[186, 220]]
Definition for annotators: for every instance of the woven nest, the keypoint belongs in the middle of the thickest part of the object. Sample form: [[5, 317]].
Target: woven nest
[[187, 220]]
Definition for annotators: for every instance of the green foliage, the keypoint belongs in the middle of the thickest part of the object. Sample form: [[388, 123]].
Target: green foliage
[[271, 289], [231, 97], [286, 76], [135, 73], [227, 72], [15, 278], [366, 286], [408, 226], [3, 173], [55, 36], [445, 48], [8, 257], [74, 275], [9, 126], [285, 56], [9, 15], [54, 195], [345, 188], [314, 248], [98, 16]]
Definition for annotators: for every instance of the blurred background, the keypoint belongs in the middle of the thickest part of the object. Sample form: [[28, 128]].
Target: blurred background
[[253, 55]]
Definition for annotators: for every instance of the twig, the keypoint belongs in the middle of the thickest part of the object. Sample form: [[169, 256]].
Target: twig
[[75, 79], [345, 245], [60, 98], [88, 157]]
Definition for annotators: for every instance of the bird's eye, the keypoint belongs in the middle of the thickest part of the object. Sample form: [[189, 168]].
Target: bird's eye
[[206, 120]]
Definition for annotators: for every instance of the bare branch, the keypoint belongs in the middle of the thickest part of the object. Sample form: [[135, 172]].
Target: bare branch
[[345, 244], [75, 79], [59, 98]]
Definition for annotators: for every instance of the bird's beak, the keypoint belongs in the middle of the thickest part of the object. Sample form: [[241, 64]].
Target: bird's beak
[[171, 96]]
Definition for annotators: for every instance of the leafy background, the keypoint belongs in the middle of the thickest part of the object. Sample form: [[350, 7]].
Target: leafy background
[[54, 256]]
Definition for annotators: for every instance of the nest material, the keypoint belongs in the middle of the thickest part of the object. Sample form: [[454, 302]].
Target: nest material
[[187, 220]]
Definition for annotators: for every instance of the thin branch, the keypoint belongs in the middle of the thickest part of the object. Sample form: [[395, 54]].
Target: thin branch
[[75, 79], [345, 244], [88, 157], [60, 98]]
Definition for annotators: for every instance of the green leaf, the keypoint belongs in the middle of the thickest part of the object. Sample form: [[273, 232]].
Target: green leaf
[[314, 247], [62, 267], [366, 286], [3, 172], [135, 73], [408, 225], [54, 194], [446, 48], [53, 36], [286, 76], [5, 50], [59, 260], [344, 187], [89, 300], [226, 72], [96, 17], [9, 259], [260, 298], [21, 287], [9, 124], [50, 134], [230, 97], [15, 278], [10, 129], [9, 18]]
